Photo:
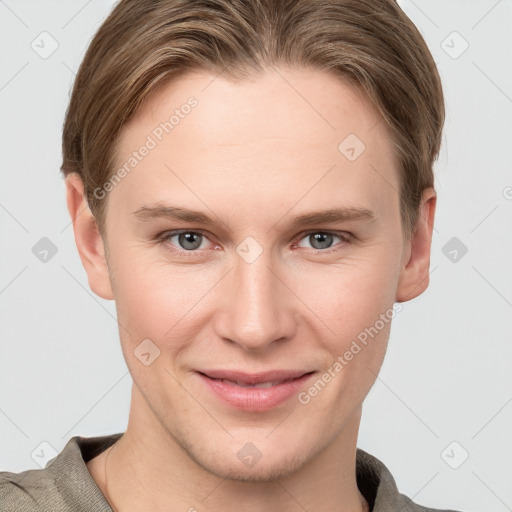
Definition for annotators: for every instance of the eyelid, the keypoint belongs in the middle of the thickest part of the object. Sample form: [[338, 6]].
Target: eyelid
[[166, 235], [343, 235]]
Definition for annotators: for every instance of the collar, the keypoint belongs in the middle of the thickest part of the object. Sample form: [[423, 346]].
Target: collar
[[70, 473]]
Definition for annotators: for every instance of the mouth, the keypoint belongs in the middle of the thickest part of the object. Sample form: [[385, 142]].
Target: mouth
[[254, 392]]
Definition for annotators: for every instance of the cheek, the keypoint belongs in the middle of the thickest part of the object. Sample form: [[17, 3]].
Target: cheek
[[153, 309], [356, 307], [351, 297], [161, 302]]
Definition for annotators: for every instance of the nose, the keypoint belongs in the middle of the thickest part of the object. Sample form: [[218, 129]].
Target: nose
[[258, 308]]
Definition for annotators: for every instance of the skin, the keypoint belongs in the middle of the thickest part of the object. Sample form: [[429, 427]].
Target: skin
[[253, 154]]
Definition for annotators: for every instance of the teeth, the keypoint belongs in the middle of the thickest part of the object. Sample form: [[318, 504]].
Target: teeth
[[265, 384], [259, 385]]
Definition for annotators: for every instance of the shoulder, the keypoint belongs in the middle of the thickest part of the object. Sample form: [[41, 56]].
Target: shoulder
[[26, 491], [63, 485], [378, 486], [407, 505]]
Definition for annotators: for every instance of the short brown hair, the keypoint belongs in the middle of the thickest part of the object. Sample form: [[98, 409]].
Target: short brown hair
[[143, 44]]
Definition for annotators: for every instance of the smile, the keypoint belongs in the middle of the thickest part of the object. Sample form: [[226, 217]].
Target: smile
[[254, 392]]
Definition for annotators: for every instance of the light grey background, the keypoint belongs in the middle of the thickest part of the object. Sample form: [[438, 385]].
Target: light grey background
[[447, 374]]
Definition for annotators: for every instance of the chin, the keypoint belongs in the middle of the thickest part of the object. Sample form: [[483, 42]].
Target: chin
[[262, 471], [246, 463]]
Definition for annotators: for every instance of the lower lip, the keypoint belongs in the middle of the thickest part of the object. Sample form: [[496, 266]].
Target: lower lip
[[254, 399]]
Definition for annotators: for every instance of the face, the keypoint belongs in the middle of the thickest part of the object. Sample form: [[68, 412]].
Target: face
[[292, 264]]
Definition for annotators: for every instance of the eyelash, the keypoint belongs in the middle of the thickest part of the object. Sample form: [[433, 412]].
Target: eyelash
[[164, 239]]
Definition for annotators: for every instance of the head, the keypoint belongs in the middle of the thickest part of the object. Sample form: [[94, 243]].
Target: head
[[255, 115]]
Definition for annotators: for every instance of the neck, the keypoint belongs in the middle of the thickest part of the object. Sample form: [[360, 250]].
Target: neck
[[150, 470]]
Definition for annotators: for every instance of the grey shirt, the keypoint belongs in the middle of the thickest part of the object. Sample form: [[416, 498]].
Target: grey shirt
[[65, 484]]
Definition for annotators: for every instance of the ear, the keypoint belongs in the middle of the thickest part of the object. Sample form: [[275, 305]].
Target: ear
[[414, 276], [87, 237]]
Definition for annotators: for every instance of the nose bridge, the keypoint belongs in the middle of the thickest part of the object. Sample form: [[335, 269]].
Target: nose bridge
[[258, 307]]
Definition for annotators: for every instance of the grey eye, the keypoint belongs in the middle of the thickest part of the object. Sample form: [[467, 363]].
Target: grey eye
[[320, 240], [187, 240]]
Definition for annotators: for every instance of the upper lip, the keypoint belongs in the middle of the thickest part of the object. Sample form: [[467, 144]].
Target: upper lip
[[254, 378]]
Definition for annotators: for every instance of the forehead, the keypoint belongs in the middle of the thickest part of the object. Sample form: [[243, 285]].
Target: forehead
[[280, 132], [283, 103]]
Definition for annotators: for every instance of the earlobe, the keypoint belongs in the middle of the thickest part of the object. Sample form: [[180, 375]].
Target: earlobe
[[88, 238], [414, 276]]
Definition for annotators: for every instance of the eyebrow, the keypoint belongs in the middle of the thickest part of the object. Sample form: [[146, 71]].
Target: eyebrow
[[162, 211]]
